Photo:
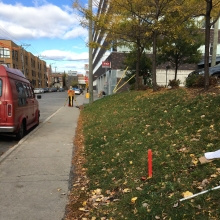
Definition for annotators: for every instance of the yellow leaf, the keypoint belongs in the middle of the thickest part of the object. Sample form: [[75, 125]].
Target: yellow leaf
[[84, 203], [133, 200], [130, 162], [195, 161], [126, 190], [187, 194]]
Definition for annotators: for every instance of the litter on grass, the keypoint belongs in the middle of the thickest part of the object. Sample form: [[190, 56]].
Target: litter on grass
[[212, 155]]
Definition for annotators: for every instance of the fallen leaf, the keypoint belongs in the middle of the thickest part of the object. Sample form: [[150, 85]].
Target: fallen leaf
[[176, 205], [83, 209], [195, 161], [143, 178], [126, 190], [187, 194], [145, 205], [133, 200], [139, 188]]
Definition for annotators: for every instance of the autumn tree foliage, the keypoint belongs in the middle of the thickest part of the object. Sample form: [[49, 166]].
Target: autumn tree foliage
[[140, 24], [181, 47]]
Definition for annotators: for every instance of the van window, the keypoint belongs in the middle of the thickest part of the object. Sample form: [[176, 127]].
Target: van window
[[30, 91], [25, 90], [0, 87], [21, 94]]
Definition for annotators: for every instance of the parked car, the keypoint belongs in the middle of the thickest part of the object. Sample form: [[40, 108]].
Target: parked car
[[52, 89], [77, 91], [46, 90], [37, 91], [213, 71], [61, 90], [42, 90], [19, 109]]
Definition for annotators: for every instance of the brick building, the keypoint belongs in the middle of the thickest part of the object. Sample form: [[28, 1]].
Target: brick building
[[16, 57]]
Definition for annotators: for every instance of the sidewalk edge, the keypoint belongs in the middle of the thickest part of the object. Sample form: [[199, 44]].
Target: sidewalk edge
[[9, 151]]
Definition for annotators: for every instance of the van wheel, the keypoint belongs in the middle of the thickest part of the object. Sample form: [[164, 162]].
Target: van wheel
[[20, 133]]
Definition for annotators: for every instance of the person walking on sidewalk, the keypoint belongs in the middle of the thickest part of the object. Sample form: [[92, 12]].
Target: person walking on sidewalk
[[71, 94]]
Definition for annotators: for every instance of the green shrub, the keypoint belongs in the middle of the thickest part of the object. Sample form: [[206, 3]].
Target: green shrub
[[174, 83], [199, 81]]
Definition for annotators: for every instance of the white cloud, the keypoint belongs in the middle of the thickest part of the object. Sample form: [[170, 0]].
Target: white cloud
[[64, 55], [41, 21], [66, 60]]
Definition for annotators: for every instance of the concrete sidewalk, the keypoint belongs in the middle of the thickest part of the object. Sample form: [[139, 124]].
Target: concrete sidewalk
[[34, 174]]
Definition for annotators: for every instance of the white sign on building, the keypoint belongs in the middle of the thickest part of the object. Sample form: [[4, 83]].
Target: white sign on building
[[72, 73], [86, 67]]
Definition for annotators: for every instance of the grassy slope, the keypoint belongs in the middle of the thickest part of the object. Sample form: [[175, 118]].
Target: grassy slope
[[118, 132]]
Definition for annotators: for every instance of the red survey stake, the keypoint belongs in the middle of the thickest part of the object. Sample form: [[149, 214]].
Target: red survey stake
[[149, 163]]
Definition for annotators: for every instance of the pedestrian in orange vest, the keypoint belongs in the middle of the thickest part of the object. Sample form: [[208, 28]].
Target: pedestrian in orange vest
[[71, 94]]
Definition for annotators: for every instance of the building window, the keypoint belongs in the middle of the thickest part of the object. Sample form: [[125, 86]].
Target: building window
[[16, 55], [4, 52]]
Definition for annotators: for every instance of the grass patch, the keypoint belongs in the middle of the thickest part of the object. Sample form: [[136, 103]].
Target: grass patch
[[118, 131]]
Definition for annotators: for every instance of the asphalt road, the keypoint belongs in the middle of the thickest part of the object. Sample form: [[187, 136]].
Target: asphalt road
[[49, 103]]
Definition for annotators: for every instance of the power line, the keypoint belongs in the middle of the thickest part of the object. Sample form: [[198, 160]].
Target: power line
[[8, 35], [63, 60]]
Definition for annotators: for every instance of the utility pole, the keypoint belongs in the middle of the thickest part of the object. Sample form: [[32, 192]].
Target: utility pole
[[215, 43], [90, 56], [22, 60], [22, 57]]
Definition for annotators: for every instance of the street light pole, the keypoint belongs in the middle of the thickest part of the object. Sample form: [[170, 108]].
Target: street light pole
[[90, 55]]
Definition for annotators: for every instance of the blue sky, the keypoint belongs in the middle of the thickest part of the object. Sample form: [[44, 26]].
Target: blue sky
[[48, 29]]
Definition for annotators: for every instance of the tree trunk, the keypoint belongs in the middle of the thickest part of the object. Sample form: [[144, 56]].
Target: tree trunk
[[176, 68], [154, 76], [137, 67], [207, 41]]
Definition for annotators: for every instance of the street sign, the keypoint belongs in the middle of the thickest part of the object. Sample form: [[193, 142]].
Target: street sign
[[86, 67], [86, 79], [106, 64]]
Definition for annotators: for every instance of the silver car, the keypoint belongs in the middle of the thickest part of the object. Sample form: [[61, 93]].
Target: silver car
[[37, 90]]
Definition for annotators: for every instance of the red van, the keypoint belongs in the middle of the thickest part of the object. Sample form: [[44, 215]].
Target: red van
[[19, 109]]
